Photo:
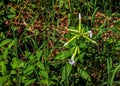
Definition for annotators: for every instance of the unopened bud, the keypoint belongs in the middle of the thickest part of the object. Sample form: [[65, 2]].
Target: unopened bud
[[79, 16]]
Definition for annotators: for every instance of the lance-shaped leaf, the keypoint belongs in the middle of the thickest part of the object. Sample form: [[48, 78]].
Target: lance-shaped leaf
[[70, 40], [75, 52], [89, 39], [78, 50], [84, 74], [5, 42], [74, 31], [86, 33], [66, 70], [3, 68], [82, 31]]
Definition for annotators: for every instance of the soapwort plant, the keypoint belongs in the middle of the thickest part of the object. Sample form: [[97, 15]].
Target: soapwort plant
[[78, 35]]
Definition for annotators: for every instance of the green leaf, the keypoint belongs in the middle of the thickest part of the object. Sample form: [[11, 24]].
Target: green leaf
[[84, 74], [39, 54], [93, 15], [15, 63], [73, 38], [2, 12], [3, 79], [13, 72], [27, 53], [82, 45], [28, 82], [31, 57], [41, 65], [117, 48], [11, 44], [44, 74], [1, 3], [89, 39], [63, 55], [3, 69], [5, 53], [33, 6], [44, 81], [24, 78], [115, 71], [11, 16], [29, 70], [81, 57], [51, 83], [66, 70], [12, 10], [75, 51], [14, 79], [5, 42]]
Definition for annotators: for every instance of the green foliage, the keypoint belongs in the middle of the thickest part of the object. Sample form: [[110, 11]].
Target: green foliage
[[32, 35], [66, 70], [63, 55], [84, 74], [5, 42], [28, 82], [116, 70], [3, 68]]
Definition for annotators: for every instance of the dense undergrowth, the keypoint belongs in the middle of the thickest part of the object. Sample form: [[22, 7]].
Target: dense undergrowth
[[32, 35]]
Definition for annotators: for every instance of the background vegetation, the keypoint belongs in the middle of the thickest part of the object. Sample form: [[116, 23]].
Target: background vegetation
[[32, 35]]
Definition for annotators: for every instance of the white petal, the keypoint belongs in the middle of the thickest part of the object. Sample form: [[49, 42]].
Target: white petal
[[72, 62], [90, 33]]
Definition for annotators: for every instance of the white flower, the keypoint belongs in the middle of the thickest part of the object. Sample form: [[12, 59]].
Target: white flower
[[72, 62], [90, 33]]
